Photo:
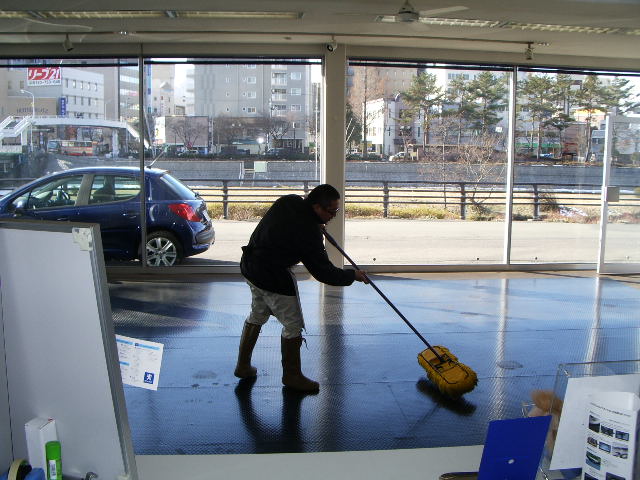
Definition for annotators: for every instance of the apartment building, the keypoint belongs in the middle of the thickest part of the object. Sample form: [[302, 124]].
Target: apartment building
[[252, 93]]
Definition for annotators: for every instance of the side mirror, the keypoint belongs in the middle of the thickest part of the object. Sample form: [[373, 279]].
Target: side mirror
[[17, 207]]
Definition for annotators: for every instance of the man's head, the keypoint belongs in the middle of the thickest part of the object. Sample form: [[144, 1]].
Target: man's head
[[325, 201]]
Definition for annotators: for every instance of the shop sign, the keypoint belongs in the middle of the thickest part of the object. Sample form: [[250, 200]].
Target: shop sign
[[41, 76]]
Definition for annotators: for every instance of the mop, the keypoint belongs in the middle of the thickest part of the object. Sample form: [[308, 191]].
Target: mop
[[451, 377]]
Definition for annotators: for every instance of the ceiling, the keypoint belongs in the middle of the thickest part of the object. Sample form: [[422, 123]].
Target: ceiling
[[548, 25]]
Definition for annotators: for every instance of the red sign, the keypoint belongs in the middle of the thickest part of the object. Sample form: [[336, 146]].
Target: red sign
[[39, 76]]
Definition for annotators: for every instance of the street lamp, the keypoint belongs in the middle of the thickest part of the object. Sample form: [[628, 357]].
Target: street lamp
[[33, 114], [260, 141]]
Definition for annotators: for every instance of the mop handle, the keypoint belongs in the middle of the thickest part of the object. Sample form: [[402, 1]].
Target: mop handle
[[335, 244]]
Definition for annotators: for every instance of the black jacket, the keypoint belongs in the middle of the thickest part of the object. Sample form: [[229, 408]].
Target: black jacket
[[289, 233]]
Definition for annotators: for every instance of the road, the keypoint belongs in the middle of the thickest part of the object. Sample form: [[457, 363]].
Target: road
[[397, 241]]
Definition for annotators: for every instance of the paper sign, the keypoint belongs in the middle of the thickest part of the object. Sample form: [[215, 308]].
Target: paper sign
[[610, 438], [140, 361], [569, 447]]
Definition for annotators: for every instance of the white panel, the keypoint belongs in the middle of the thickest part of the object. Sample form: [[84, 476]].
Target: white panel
[[5, 423], [55, 349]]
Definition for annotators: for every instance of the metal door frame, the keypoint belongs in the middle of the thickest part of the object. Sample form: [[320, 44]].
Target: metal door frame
[[604, 267]]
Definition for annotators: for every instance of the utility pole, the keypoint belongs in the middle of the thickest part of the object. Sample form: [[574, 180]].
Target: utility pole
[[365, 150]]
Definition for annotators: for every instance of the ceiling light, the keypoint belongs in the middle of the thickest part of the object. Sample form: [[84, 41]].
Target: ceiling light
[[242, 15], [561, 28], [473, 22], [13, 14], [460, 22], [108, 14]]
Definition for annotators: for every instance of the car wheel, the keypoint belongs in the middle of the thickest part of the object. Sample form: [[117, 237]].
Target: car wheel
[[163, 249]]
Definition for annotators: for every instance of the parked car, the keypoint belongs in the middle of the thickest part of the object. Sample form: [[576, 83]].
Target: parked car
[[279, 153], [189, 153], [398, 157], [178, 224]]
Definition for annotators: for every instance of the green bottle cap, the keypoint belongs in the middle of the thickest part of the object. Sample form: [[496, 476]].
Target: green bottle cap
[[53, 450]]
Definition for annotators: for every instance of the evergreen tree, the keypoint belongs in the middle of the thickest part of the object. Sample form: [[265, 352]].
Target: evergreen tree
[[592, 97], [458, 104], [489, 97], [538, 100], [424, 98], [563, 98], [619, 95]]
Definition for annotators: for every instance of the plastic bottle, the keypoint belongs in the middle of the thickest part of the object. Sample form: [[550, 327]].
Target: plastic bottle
[[54, 460]]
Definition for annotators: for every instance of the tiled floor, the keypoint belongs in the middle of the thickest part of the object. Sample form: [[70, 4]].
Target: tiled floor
[[512, 329]]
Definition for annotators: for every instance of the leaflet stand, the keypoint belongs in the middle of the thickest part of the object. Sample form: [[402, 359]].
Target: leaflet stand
[[567, 371]]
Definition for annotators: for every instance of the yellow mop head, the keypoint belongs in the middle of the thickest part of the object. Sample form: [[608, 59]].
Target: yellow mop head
[[451, 377]]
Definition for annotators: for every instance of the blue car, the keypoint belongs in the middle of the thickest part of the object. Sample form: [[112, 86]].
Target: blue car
[[178, 224]]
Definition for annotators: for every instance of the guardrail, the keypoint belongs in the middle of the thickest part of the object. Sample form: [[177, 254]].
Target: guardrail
[[459, 195]]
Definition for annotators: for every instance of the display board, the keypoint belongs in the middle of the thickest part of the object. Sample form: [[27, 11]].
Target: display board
[[59, 347]]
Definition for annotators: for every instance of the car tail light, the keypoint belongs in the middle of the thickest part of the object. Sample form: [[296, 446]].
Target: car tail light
[[186, 211]]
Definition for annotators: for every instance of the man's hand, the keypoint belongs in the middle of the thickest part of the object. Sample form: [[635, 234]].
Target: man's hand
[[361, 276]]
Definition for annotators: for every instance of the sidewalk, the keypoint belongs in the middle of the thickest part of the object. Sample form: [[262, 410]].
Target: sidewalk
[[424, 242]]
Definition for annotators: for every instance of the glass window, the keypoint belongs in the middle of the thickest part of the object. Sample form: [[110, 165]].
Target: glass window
[[278, 78], [113, 188], [67, 138], [295, 91], [279, 94], [61, 192], [443, 179], [226, 131], [296, 75], [558, 170], [279, 109]]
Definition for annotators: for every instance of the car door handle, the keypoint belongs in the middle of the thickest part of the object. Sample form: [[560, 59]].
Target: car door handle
[[130, 214], [62, 219]]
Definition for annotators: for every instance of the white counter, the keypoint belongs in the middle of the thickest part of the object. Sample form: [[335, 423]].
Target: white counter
[[420, 463]]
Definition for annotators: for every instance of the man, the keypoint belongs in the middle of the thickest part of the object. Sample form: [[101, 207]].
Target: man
[[289, 233]]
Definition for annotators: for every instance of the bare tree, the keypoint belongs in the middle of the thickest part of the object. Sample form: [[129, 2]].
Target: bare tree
[[227, 129], [275, 126], [477, 159], [368, 84], [186, 130]]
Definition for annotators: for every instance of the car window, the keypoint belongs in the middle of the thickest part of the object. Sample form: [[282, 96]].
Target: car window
[[113, 188], [177, 189], [60, 192]]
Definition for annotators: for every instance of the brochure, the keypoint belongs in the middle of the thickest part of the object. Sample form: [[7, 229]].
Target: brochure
[[568, 452], [611, 436], [140, 361]]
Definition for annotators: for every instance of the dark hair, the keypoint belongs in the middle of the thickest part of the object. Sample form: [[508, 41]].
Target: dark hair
[[323, 195]]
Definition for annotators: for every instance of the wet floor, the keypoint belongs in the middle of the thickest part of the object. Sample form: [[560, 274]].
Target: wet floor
[[514, 332]]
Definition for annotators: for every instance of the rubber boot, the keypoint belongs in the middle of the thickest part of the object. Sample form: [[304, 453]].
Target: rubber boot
[[248, 340], [291, 367]]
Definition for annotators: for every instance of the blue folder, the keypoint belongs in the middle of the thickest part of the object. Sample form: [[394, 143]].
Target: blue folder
[[513, 448]]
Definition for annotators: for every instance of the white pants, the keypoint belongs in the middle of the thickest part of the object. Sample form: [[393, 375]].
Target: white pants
[[285, 308]]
